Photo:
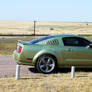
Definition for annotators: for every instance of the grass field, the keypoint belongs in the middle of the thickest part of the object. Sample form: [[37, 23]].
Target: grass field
[[60, 82], [27, 27], [7, 48]]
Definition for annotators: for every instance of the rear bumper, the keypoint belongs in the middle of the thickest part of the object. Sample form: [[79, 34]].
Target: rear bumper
[[16, 56], [20, 59]]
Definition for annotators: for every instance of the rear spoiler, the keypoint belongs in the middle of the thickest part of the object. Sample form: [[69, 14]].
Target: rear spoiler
[[28, 42], [22, 42]]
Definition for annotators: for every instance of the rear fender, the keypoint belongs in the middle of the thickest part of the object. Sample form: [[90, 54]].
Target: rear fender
[[40, 53]]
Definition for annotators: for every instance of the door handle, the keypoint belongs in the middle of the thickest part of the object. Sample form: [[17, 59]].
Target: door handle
[[68, 49]]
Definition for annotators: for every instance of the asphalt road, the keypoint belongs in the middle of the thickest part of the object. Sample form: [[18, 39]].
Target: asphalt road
[[24, 39], [8, 67]]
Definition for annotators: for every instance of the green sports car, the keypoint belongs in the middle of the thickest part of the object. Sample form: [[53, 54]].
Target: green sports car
[[47, 53]]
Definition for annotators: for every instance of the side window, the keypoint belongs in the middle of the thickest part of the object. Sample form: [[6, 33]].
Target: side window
[[75, 41]]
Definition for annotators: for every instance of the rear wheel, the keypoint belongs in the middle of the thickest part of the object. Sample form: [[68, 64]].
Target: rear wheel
[[46, 64]]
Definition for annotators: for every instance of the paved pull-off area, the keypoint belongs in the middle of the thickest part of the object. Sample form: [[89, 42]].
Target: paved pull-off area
[[8, 67]]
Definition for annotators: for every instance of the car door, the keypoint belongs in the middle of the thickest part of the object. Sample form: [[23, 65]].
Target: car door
[[76, 51]]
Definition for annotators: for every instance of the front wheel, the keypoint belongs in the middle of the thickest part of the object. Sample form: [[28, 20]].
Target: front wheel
[[46, 64]]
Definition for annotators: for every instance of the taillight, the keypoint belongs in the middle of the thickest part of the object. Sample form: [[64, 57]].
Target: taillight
[[19, 49]]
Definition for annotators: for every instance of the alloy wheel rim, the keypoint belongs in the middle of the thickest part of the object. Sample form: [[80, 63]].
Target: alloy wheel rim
[[46, 64]]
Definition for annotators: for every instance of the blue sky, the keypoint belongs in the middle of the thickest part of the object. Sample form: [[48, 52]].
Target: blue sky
[[46, 10]]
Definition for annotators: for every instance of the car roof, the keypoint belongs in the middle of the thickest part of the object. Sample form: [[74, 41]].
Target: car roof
[[56, 35], [62, 35], [47, 37]]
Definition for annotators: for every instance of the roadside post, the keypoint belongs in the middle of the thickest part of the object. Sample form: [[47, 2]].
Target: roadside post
[[17, 72], [72, 72], [34, 27]]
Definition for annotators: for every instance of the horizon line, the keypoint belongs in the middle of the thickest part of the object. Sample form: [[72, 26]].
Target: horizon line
[[46, 21]]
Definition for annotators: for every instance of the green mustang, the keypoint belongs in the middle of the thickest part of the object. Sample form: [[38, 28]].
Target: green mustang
[[47, 53]]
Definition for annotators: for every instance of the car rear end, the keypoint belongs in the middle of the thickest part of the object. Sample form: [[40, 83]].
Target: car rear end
[[18, 53], [25, 52]]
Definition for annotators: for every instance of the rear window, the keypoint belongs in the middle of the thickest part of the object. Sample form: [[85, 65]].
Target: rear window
[[40, 39]]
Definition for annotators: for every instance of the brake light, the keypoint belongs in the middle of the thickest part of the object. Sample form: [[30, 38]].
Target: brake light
[[19, 49]]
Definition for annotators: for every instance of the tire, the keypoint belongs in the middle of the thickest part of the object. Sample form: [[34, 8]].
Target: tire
[[46, 64]]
